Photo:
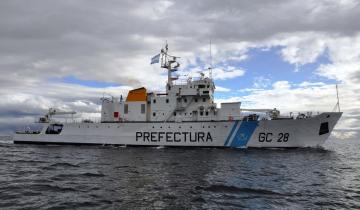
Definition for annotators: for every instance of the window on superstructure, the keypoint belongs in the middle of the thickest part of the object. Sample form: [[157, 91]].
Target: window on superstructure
[[142, 108], [201, 86], [204, 99], [154, 101], [206, 113], [196, 100], [201, 113], [154, 114], [185, 100], [208, 86], [126, 108], [174, 113], [167, 100]]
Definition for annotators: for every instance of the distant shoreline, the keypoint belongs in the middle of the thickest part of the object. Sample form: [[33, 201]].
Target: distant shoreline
[[6, 138]]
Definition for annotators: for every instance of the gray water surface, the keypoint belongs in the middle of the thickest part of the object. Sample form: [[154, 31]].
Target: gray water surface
[[106, 177]]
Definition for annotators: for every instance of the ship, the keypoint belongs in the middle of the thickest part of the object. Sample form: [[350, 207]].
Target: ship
[[185, 114]]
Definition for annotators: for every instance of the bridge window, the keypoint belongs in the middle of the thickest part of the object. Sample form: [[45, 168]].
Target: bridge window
[[201, 86]]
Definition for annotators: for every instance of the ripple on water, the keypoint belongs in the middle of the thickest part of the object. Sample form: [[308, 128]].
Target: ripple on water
[[67, 177]]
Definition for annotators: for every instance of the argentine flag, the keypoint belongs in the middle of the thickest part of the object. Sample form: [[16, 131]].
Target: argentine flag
[[155, 59]]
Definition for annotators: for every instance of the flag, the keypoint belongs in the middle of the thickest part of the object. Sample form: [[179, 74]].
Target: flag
[[155, 59]]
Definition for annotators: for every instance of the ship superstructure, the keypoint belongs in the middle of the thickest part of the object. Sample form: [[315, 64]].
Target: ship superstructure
[[186, 102], [185, 115]]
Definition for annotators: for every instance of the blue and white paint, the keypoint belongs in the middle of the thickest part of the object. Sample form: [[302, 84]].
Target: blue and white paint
[[241, 133]]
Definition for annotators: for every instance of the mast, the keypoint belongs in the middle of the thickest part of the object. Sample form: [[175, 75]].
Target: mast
[[169, 63], [210, 57]]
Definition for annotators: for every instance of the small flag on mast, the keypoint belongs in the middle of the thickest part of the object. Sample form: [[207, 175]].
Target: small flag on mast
[[155, 59]]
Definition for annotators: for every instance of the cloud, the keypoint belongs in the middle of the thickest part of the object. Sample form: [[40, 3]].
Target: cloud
[[222, 89], [261, 82], [220, 73]]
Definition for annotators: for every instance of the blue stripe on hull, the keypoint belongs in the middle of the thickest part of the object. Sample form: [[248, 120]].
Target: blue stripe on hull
[[231, 133], [244, 133]]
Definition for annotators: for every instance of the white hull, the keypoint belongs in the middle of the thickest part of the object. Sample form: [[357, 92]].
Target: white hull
[[236, 134]]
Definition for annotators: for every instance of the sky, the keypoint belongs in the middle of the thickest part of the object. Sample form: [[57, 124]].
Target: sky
[[285, 54]]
